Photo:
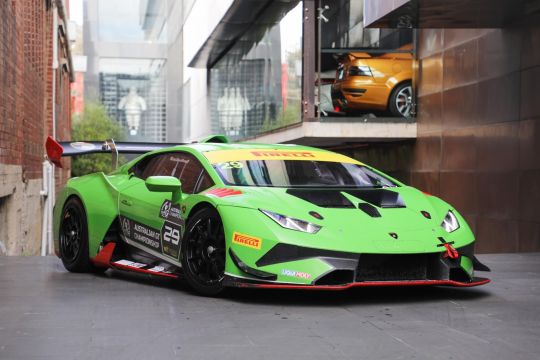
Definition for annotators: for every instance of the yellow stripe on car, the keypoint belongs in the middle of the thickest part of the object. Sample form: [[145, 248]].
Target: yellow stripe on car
[[220, 156]]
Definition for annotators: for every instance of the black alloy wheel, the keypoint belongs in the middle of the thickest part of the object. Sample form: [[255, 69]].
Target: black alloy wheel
[[74, 237], [203, 252]]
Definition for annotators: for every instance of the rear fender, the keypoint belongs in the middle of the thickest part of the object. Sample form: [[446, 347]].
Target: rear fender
[[100, 201]]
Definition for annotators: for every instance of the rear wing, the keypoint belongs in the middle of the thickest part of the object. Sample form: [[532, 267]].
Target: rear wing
[[57, 149]]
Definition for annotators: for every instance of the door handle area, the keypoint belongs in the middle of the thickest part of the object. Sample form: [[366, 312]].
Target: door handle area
[[126, 202]]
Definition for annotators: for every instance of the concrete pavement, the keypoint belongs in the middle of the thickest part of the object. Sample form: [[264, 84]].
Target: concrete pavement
[[48, 313]]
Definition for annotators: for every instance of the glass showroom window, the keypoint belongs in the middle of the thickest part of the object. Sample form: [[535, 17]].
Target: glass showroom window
[[257, 85], [365, 74], [138, 22], [133, 93]]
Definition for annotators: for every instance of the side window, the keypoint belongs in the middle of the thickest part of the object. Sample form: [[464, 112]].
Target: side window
[[181, 165], [205, 181]]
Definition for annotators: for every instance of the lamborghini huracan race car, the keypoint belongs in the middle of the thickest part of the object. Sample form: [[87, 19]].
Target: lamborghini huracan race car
[[251, 215]]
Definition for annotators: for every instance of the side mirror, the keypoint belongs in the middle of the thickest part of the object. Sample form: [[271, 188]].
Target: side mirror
[[165, 184]]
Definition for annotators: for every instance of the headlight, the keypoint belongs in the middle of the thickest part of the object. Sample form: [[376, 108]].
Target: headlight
[[292, 223], [450, 222]]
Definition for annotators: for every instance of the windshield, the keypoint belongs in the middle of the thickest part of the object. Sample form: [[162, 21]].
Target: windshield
[[294, 173]]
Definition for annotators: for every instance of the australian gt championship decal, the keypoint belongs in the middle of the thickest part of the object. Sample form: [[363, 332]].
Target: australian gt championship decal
[[141, 233], [171, 213], [246, 240], [296, 274]]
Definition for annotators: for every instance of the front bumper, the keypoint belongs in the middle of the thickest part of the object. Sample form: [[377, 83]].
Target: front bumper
[[292, 267]]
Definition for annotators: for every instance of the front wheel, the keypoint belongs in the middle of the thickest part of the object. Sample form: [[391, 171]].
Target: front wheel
[[400, 103], [203, 252]]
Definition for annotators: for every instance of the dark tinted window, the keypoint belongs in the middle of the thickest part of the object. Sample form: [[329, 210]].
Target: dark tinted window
[[181, 165], [204, 183], [296, 173]]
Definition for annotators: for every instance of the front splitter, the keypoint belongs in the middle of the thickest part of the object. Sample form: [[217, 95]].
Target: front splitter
[[246, 284]]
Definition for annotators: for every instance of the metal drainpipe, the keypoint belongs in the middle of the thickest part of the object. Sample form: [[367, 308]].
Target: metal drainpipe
[[49, 202], [45, 193]]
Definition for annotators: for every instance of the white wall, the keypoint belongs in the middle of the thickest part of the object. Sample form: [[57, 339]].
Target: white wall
[[201, 21]]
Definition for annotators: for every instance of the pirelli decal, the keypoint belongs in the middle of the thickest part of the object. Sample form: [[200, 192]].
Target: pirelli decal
[[246, 240], [222, 156]]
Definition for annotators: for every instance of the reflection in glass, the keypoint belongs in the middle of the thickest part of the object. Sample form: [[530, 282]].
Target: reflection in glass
[[133, 92], [366, 73], [379, 84], [256, 86]]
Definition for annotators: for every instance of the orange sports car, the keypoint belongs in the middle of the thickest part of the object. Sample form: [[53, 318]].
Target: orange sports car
[[380, 83]]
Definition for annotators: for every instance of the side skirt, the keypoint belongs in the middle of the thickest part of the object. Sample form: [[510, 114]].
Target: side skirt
[[105, 259]]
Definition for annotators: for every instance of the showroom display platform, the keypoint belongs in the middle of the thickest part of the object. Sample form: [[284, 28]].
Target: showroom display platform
[[48, 313]]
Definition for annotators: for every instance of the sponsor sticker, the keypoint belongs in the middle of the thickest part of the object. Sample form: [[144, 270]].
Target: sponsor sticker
[[246, 240], [171, 213], [130, 264], [231, 157], [284, 154], [157, 269], [83, 145], [296, 274], [141, 234]]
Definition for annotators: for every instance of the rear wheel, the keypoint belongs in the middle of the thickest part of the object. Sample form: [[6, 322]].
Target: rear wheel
[[74, 237], [203, 252], [401, 100]]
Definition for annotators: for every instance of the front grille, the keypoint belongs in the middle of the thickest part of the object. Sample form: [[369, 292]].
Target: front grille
[[377, 267]]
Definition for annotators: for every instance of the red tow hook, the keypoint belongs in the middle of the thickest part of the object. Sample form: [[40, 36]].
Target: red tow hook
[[450, 251]]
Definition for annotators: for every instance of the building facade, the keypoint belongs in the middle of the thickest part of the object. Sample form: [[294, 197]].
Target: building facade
[[478, 113], [35, 81], [259, 71]]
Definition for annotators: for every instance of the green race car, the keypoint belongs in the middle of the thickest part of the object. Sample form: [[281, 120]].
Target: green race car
[[251, 215]]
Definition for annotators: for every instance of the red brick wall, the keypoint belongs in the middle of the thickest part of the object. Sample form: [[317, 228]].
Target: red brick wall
[[26, 80]]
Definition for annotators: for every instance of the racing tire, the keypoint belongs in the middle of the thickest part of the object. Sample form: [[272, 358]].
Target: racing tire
[[73, 237], [400, 104], [203, 252]]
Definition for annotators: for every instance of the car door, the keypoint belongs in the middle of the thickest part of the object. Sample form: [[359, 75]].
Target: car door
[[150, 220]]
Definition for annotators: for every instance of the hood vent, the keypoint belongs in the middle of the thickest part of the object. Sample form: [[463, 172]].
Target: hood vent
[[333, 198], [369, 209], [323, 198], [382, 198]]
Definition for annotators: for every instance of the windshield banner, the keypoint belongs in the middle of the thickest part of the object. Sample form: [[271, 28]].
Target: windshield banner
[[221, 156]]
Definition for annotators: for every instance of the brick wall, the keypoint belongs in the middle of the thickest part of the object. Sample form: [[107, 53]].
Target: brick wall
[[26, 95]]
